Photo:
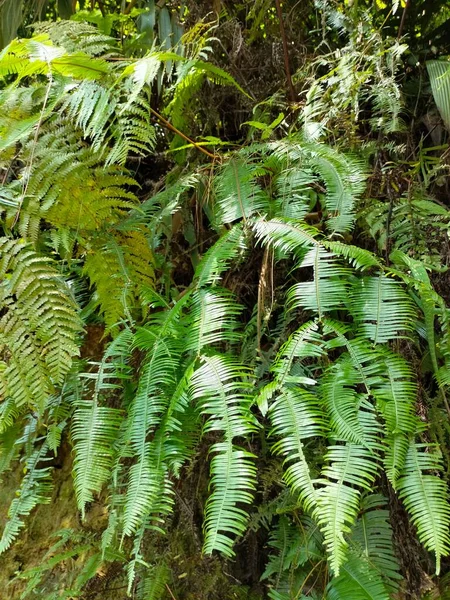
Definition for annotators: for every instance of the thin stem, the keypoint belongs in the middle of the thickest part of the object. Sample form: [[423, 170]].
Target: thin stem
[[285, 52], [101, 7], [170, 592], [181, 134], [130, 7], [402, 22]]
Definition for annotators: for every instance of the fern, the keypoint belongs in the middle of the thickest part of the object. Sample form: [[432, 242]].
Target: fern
[[35, 489], [95, 427], [217, 385], [425, 498], [39, 325], [351, 468]]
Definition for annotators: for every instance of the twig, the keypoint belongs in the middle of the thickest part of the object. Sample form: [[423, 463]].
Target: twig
[[130, 7], [285, 52], [181, 134], [402, 22], [101, 7], [170, 592]]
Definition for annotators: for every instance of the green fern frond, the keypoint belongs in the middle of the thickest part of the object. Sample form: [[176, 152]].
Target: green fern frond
[[213, 319], [342, 402], [35, 489], [351, 468], [329, 289], [381, 308], [73, 35], [153, 585], [229, 248], [94, 427], [290, 237], [39, 325], [157, 381], [357, 581], [237, 192], [219, 388], [345, 181], [296, 415], [371, 540], [425, 497], [305, 342]]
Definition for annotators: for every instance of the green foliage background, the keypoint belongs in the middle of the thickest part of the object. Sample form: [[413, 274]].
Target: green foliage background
[[224, 322]]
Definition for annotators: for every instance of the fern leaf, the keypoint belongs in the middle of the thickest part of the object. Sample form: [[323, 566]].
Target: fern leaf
[[296, 415], [381, 308], [351, 468], [219, 388], [286, 235], [213, 315], [237, 192], [425, 497], [35, 489], [328, 290], [95, 427]]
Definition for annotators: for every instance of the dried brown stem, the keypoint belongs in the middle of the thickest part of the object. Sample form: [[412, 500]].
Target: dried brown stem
[[181, 134]]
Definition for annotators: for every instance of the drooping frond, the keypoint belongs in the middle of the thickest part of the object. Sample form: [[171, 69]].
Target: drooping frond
[[219, 387], [350, 469], [337, 390], [230, 247], [237, 192], [329, 288], [358, 582], [296, 416], [371, 540], [213, 314], [286, 235], [35, 489], [39, 325], [95, 427], [120, 268], [345, 181], [425, 497], [158, 378], [381, 308]]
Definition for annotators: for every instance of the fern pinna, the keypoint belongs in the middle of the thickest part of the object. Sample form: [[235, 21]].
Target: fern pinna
[[314, 372]]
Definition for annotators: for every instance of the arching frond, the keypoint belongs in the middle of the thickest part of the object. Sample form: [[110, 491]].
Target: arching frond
[[329, 289], [381, 308], [35, 489], [351, 468], [213, 314], [286, 235], [425, 497], [237, 192], [219, 387]]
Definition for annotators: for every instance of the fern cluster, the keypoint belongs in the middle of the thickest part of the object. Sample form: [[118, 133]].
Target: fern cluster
[[317, 365]]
